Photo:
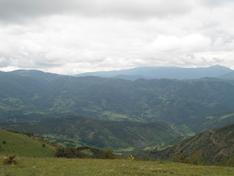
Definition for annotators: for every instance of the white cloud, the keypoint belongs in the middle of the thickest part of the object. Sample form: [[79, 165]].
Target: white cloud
[[115, 34], [184, 43], [18, 10]]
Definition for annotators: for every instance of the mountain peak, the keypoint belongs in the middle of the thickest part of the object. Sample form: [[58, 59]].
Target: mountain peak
[[38, 74]]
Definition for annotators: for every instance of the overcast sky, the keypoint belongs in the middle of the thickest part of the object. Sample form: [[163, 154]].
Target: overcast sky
[[73, 36]]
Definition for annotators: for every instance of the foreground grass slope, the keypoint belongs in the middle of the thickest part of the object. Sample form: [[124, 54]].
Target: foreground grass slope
[[22, 145], [91, 167]]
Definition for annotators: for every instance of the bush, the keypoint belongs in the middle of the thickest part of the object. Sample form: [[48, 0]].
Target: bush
[[9, 160], [84, 152], [108, 154]]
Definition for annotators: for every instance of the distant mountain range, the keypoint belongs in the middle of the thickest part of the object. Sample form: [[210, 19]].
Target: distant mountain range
[[165, 73], [36, 74], [29, 98]]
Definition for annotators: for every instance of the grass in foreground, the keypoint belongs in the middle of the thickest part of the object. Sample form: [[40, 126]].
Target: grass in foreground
[[91, 167]]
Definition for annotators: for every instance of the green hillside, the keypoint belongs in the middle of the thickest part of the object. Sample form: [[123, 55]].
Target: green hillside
[[100, 133], [210, 147], [22, 145], [36, 161]]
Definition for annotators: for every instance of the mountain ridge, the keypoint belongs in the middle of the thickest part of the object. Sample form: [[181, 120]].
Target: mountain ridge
[[163, 73]]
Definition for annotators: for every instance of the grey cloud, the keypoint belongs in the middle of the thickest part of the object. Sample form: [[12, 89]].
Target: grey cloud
[[31, 61], [213, 3], [15, 10], [11, 10], [4, 62]]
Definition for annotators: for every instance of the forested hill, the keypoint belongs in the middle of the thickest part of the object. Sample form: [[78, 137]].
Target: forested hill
[[78, 131], [210, 147], [189, 102]]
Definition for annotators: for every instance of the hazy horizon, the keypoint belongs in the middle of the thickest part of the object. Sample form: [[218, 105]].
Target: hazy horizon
[[137, 67]]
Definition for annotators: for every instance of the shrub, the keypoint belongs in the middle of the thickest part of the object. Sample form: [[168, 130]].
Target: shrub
[[84, 152], [108, 154], [9, 160]]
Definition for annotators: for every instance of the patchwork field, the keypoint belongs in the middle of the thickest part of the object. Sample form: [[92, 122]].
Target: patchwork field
[[92, 167]]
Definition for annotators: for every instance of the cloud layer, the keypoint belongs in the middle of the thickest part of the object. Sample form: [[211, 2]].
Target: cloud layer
[[94, 35], [14, 9]]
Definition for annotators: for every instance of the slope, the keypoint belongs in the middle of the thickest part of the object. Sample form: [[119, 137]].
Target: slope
[[100, 133], [210, 147], [21, 145]]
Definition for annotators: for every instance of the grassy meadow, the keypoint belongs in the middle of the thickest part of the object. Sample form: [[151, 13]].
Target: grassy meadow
[[95, 167]]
